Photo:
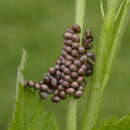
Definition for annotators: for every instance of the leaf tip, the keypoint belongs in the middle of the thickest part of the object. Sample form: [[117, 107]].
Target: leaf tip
[[20, 77]]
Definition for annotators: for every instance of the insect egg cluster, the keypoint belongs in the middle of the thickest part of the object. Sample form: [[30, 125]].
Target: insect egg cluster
[[67, 76]]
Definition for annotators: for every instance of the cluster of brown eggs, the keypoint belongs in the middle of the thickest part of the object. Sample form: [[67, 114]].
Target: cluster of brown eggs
[[67, 76]]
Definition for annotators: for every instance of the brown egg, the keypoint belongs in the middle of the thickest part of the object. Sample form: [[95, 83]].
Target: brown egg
[[70, 90], [55, 99], [76, 28], [43, 95]]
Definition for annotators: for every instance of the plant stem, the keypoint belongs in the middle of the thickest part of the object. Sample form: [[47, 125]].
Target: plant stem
[[72, 106], [110, 39], [72, 114], [80, 10]]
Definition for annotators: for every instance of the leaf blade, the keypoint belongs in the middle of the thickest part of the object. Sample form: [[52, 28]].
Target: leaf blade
[[29, 112]]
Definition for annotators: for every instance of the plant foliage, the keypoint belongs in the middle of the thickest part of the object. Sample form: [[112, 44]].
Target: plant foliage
[[29, 112], [115, 124]]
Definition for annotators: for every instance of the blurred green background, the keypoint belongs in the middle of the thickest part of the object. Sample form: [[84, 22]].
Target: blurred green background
[[37, 26]]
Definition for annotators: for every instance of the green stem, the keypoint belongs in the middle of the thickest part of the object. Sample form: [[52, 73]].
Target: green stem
[[110, 39], [72, 114], [80, 10], [72, 106]]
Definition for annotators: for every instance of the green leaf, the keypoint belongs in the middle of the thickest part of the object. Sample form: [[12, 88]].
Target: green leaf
[[29, 112], [115, 124]]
